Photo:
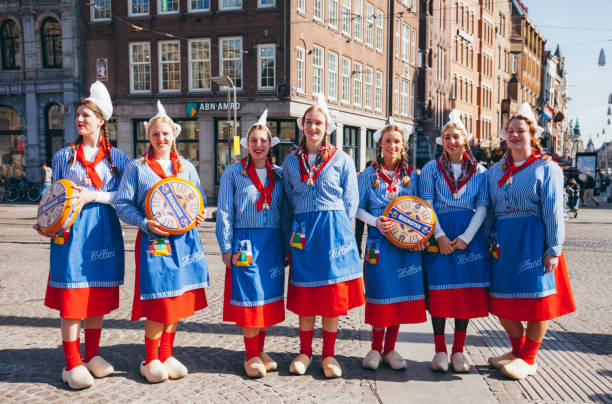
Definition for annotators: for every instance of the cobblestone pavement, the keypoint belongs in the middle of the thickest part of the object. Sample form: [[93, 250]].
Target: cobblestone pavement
[[575, 360]]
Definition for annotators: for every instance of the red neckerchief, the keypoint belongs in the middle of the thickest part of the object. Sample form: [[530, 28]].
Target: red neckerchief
[[308, 173], [265, 194], [400, 169], [511, 169], [157, 168], [468, 166], [90, 166]]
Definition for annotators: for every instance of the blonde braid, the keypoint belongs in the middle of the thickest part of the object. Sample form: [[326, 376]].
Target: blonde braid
[[248, 160], [175, 151], [379, 159], [405, 164], [107, 147]]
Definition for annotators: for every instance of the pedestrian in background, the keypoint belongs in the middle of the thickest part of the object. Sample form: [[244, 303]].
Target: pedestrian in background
[[393, 276], [87, 261], [46, 175], [529, 279], [455, 185], [171, 270], [589, 187], [251, 210], [325, 276]]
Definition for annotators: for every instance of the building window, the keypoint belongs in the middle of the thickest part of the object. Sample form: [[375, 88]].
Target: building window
[[404, 106], [413, 51], [413, 99], [396, 95], [9, 40], [138, 7], [100, 10], [369, 35], [398, 41], [346, 17], [223, 146], [333, 13], [380, 19], [346, 80], [317, 70], [51, 41], [350, 144], [319, 14], [265, 67], [369, 73], [167, 6], [140, 67], [231, 59], [301, 5], [265, 3], [199, 64], [332, 75], [358, 16], [169, 66], [357, 73], [378, 91], [370, 146], [301, 73], [405, 42], [288, 133], [198, 5], [186, 144]]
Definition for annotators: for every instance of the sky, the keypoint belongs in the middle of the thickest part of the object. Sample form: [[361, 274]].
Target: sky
[[581, 28]]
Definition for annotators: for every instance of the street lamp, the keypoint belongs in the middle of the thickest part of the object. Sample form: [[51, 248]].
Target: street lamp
[[226, 81]]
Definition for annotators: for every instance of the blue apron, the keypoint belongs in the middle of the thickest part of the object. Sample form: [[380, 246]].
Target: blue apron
[[467, 268], [90, 253], [171, 265], [392, 274], [323, 249], [518, 272], [258, 273]]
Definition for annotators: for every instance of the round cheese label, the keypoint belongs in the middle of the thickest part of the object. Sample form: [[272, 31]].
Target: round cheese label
[[56, 213], [413, 221], [174, 204]]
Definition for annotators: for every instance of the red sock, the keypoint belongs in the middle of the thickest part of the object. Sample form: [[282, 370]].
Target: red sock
[[165, 346], [390, 338], [151, 349], [377, 339], [517, 344], [92, 343], [329, 343], [459, 341], [251, 346], [440, 343], [529, 350], [262, 339], [72, 353], [306, 342]]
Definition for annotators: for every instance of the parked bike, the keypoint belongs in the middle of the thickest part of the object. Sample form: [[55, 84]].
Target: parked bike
[[20, 189]]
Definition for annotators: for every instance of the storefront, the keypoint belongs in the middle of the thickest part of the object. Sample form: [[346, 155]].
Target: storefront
[[12, 143]]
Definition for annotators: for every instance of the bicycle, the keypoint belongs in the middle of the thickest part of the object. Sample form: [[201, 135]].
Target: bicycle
[[19, 188]]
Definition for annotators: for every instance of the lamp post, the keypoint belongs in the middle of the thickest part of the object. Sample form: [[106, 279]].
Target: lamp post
[[226, 81]]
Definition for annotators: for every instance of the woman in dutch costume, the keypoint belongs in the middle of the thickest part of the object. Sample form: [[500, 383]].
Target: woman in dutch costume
[[250, 214], [87, 260], [457, 274], [529, 279], [171, 270], [325, 276], [393, 276]]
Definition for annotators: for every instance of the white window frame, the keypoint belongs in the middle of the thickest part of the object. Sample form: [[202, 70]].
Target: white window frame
[[413, 99], [225, 8], [369, 25], [221, 60], [318, 65], [345, 92], [357, 83], [378, 83], [346, 17], [197, 10], [332, 75], [380, 29], [261, 5], [160, 12], [398, 38], [358, 20], [405, 42], [161, 63], [92, 9], [260, 59], [300, 55], [332, 12], [133, 64], [396, 100], [318, 11], [368, 88], [131, 14], [191, 62], [404, 98], [413, 48], [301, 6]]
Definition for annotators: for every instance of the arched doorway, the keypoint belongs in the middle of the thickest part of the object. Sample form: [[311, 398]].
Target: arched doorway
[[12, 143], [54, 125]]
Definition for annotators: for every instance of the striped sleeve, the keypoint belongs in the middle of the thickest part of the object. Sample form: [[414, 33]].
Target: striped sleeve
[[364, 188], [426, 181], [57, 164], [552, 209], [126, 202], [482, 197], [225, 212], [350, 196]]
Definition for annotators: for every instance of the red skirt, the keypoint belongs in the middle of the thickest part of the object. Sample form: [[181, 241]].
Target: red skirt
[[385, 315], [463, 303], [167, 310], [327, 301], [542, 308], [82, 302], [251, 317]]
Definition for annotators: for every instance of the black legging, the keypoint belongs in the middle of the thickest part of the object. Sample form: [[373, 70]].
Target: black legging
[[439, 322]]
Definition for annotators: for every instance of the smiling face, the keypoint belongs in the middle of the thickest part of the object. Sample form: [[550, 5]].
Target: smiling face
[[453, 141], [392, 143], [518, 136], [259, 144], [315, 127], [87, 122], [161, 136]]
